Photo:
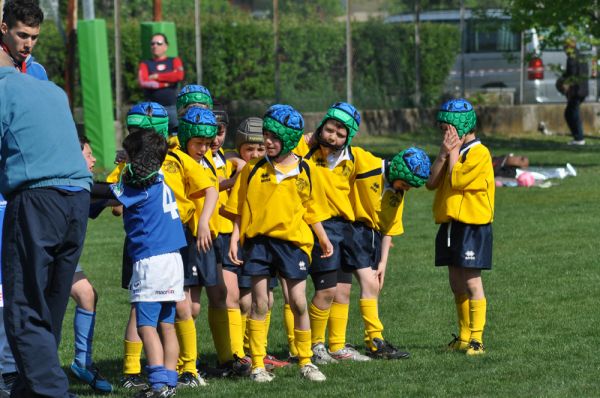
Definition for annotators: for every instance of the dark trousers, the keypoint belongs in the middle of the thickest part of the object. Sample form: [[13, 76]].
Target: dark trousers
[[573, 119], [43, 235]]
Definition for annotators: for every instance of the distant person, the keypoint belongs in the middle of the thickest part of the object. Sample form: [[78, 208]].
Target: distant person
[[575, 88], [45, 222], [160, 75], [20, 30]]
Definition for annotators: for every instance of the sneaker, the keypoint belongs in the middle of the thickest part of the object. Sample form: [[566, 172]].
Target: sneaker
[[577, 142], [241, 366], [312, 373], [457, 344], [260, 375], [321, 355], [190, 380], [91, 375], [133, 382], [475, 348], [163, 392], [384, 350], [349, 353], [273, 362]]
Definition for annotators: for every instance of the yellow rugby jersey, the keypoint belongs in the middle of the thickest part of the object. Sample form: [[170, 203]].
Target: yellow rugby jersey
[[276, 205], [467, 195], [374, 203], [226, 170], [336, 173], [209, 169]]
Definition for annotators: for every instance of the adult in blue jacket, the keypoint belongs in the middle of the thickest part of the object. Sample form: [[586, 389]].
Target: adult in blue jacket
[[46, 183]]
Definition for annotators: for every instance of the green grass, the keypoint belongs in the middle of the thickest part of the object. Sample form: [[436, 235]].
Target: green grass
[[542, 328]]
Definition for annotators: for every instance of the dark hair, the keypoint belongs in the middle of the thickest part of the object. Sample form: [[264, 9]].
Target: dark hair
[[27, 12], [146, 151], [163, 36], [82, 140], [135, 129]]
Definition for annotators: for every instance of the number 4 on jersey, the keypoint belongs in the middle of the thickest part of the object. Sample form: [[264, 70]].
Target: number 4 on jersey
[[169, 203]]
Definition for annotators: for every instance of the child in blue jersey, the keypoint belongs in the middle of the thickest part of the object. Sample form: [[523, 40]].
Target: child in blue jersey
[[155, 235]]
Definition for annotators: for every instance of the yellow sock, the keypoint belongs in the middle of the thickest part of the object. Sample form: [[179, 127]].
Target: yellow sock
[[477, 309], [235, 331], [462, 311], [267, 326], [188, 346], [302, 338], [132, 357], [370, 315], [256, 331], [318, 323], [338, 322], [246, 333], [288, 319], [219, 328]]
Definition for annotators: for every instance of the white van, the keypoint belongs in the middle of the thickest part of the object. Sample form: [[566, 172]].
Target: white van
[[492, 58]]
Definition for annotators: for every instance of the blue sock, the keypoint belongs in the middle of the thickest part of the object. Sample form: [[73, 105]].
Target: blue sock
[[83, 327], [172, 378], [157, 376]]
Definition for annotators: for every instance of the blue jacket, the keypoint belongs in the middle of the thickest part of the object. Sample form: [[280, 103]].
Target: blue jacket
[[38, 140], [35, 69]]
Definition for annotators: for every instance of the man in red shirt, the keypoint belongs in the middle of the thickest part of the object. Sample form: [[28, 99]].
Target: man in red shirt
[[160, 75]]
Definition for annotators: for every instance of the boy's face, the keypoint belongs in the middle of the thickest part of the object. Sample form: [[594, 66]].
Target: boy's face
[[401, 185], [219, 139], [198, 146], [20, 39], [252, 151], [90, 160], [273, 144], [334, 133]]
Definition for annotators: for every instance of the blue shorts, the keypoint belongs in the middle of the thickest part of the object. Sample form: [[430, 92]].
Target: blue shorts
[[339, 233], [149, 313], [244, 281], [265, 256], [464, 245], [199, 268], [221, 245], [363, 247]]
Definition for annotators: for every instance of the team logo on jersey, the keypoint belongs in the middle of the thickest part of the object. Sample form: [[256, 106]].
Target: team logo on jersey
[[161, 67], [346, 170], [375, 187], [170, 167], [301, 184], [265, 177], [302, 265], [394, 201], [194, 271], [470, 255]]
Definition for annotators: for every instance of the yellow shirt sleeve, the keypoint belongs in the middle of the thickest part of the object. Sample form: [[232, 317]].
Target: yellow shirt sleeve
[[316, 205], [470, 172], [390, 215]]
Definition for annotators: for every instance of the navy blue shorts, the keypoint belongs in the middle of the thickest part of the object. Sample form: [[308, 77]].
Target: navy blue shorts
[[244, 281], [265, 256], [150, 313], [339, 233], [467, 245], [199, 268], [363, 247]]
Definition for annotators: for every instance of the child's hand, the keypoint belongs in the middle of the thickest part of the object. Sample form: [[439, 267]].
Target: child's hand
[[380, 273], [450, 142], [326, 247], [204, 241], [233, 253], [117, 211]]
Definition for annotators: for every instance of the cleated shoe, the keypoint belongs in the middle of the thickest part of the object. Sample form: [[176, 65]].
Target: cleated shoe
[[312, 373], [91, 375], [271, 361], [457, 344], [475, 348], [133, 382], [241, 366], [321, 355], [349, 353], [190, 380], [163, 392], [260, 375], [384, 350]]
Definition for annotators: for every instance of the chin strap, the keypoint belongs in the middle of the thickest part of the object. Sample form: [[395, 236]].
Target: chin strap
[[326, 144]]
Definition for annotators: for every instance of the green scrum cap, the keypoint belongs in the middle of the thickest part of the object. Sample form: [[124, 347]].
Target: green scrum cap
[[411, 165], [460, 114], [286, 123], [194, 94], [346, 114], [197, 122], [249, 132], [149, 115]]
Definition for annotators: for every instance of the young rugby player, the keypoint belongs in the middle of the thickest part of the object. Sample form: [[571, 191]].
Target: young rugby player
[[463, 176]]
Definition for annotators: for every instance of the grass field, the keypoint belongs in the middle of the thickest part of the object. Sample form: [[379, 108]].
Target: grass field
[[541, 336]]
